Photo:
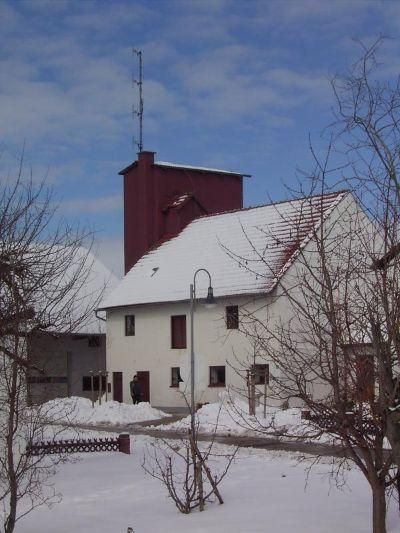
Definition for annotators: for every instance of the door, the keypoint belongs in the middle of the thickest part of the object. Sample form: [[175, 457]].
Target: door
[[365, 378], [144, 380], [117, 387]]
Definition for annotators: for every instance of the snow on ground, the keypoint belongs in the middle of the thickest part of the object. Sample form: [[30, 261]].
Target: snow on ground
[[76, 410], [264, 491], [228, 417]]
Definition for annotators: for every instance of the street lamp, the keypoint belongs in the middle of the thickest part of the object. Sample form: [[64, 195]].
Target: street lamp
[[209, 303]]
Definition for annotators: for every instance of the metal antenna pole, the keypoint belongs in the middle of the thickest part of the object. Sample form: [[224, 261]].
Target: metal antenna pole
[[139, 113]]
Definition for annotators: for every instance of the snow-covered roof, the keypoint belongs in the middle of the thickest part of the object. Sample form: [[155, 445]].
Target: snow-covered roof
[[100, 281], [69, 297], [246, 252], [200, 169]]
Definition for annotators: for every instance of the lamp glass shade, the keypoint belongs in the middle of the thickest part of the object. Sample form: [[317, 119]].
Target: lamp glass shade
[[210, 300]]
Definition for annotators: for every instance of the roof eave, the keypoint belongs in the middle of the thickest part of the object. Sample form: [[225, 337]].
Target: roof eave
[[127, 169], [251, 294]]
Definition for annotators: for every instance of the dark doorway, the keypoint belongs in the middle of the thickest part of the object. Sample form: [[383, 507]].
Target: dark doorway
[[144, 380], [117, 387]]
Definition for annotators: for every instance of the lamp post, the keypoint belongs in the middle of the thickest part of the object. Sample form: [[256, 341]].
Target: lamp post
[[209, 302]]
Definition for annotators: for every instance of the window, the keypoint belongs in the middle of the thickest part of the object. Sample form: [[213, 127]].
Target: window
[[129, 325], [175, 376], [232, 317], [217, 376], [360, 375], [178, 331], [94, 342], [87, 385], [261, 374]]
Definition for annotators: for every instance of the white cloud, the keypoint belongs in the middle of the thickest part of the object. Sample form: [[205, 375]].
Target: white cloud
[[237, 83], [103, 205]]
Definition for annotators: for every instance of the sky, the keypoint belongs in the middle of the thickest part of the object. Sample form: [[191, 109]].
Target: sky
[[235, 84]]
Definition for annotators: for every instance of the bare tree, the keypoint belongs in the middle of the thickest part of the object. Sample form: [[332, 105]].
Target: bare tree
[[337, 349], [323, 350], [44, 275], [367, 133], [184, 467]]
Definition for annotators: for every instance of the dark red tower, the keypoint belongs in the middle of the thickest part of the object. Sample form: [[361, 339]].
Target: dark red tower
[[160, 199]]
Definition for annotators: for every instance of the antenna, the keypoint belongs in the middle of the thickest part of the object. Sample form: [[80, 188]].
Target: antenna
[[135, 112]]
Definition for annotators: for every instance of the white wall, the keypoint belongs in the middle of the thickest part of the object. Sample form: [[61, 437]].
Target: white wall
[[150, 348]]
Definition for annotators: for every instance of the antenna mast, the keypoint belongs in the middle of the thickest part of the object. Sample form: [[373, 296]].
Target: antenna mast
[[139, 113]]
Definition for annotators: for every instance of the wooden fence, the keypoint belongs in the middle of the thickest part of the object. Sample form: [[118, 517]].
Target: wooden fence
[[331, 423], [60, 447]]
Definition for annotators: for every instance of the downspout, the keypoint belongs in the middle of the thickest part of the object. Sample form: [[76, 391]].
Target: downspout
[[106, 371], [99, 317]]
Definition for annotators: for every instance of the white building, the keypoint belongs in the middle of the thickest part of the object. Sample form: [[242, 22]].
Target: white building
[[68, 359], [249, 254]]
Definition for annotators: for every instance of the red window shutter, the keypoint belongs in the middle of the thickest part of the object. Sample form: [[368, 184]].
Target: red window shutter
[[178, 331]]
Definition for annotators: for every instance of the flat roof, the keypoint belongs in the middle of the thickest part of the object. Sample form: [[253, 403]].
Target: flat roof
[[168, 165]]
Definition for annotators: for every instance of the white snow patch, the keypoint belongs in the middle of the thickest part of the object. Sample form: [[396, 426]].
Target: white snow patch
[[75, 410], [228, 417]]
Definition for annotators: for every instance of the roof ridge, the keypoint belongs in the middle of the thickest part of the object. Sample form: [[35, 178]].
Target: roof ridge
[[277, 202]]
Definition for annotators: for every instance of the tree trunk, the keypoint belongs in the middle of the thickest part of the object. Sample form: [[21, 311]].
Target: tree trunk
[[12, 478], [393, 435], [12, 514], [378, 508]]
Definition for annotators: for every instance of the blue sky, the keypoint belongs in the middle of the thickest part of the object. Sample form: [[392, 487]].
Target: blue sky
[[233, 84]]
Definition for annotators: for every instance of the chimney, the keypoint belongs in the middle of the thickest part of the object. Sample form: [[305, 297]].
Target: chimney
[[145, 159], [150, 187]]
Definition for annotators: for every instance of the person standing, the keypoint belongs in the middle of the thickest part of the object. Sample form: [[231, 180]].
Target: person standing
[[136, 390]]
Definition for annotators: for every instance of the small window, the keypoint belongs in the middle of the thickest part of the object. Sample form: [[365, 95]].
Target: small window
[[87, 384], [232, 317], [94, 342], [129, 325], [217, 376], [178, 331], [175, 376], [261, 374]]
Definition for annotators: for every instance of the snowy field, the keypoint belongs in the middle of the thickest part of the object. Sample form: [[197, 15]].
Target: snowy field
[[263, 492]]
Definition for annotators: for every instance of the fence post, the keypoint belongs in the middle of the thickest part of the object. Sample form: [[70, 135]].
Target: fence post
[[92, 386], [100, 389], [124, 443]]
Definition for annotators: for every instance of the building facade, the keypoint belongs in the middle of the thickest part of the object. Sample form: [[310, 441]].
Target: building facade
[[250, 254]]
